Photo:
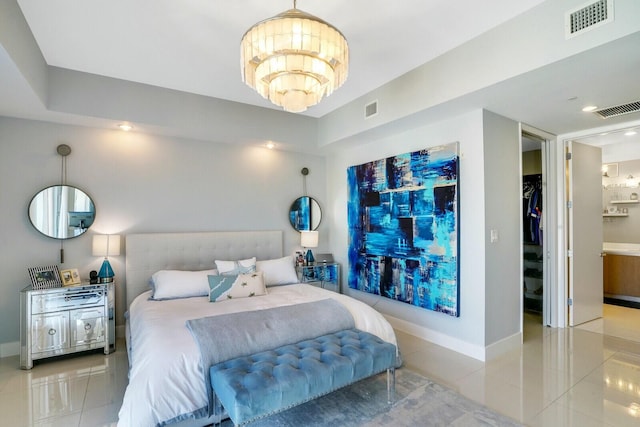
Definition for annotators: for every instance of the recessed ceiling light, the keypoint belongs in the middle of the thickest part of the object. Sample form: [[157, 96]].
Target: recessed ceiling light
[[270, 145], [590, 108], [630, 133], [125, 127]]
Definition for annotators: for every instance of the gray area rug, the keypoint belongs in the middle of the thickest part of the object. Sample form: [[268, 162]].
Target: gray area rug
[[419, 402]]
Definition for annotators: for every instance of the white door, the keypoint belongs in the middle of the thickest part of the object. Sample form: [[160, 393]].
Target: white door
[[585, 233]]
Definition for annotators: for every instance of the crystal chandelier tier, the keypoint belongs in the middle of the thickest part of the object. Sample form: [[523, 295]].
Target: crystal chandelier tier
[[294, 59]]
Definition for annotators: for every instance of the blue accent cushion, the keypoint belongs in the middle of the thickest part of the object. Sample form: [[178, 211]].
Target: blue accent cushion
[[235, 286], [262, 384]]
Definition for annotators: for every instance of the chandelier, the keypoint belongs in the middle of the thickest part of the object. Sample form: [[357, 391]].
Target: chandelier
[[294, 59]]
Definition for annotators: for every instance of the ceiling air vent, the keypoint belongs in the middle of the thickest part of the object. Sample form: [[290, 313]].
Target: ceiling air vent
[[588, 17], [619, 110], [371, 109]]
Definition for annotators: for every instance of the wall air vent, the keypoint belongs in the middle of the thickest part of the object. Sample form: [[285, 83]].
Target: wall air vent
[[371, 109], [619, 110], [588, 17]]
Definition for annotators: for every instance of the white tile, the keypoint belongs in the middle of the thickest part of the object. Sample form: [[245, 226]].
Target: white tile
[[601, 403], [103, 416], [558, 415], [518, 403]]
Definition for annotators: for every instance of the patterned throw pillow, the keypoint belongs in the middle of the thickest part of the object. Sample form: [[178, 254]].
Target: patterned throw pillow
[[236, 286], [236, 267]]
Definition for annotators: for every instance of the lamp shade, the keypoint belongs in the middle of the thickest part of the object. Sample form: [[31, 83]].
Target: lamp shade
[[309, 239], [106, 245]]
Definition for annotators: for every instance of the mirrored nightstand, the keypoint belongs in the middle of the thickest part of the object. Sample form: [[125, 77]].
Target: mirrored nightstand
[[324, 275]]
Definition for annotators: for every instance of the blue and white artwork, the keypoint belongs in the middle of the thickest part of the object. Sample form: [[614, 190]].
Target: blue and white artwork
[[403, 228]]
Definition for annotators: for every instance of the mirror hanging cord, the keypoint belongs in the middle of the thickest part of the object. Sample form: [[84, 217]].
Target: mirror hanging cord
[[64, 150], [304, 172]]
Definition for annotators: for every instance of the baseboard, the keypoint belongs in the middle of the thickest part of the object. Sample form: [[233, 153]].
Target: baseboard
[[477, 352], [444, 340], [9, 349]]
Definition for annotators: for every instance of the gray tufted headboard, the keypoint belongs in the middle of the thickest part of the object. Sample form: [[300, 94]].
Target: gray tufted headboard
[[150, 252]]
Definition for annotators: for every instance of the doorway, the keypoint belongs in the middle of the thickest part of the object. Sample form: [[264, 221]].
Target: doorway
[[617, 144], [536, 292]]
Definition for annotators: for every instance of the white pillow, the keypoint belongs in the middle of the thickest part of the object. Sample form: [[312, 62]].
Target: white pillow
[[171, 284], [236, 267], [232, 286], [279, 271]]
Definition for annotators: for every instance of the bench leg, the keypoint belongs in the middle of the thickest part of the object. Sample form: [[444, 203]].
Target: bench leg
[[217, 415], [391, 385]]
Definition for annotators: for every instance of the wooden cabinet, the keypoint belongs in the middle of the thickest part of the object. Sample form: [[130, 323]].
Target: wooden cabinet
[[59, 321], [621, 276]]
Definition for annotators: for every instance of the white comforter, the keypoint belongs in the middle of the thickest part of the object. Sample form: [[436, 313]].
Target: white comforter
[[166, 381]]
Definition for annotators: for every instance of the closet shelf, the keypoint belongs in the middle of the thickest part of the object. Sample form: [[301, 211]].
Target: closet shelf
[[614, 214], [621, 202]]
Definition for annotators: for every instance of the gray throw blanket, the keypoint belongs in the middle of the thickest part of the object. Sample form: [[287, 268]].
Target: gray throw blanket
[[228, 336]]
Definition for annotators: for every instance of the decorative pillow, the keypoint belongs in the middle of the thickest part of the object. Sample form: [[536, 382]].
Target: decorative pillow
[[236, 267], [279, 271], [171, 284], [225, 287]]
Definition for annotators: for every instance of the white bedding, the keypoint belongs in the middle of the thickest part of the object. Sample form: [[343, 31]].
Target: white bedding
[[166, 381]]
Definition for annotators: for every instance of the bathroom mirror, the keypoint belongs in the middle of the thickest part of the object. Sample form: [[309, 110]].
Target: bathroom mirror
[[62, 212], [305, 214]]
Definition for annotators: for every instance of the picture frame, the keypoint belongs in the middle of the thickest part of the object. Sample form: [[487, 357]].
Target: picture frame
[[70, 277], [45, 277]]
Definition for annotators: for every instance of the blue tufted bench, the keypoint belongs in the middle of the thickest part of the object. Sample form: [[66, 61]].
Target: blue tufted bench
[[268, 382]]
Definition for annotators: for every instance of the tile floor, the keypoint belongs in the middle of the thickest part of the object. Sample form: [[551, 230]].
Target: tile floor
[[584, 376]]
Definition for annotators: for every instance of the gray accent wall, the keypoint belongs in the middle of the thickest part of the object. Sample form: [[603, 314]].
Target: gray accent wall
[[139, 183]]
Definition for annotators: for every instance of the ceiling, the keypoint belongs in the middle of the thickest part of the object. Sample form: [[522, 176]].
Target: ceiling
[[193, 46]]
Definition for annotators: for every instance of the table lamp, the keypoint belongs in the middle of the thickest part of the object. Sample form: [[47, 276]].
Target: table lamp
[[309, 239], [106, 245]]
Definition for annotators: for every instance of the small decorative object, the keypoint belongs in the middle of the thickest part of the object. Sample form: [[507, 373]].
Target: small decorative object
[[634, 196], [625, 210], [299, 258], [45, 277], [105, 245], [70, 277], [309, 239], [93, 277], [613, 209]]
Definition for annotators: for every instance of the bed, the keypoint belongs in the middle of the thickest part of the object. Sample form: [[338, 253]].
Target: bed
[[167, 383]]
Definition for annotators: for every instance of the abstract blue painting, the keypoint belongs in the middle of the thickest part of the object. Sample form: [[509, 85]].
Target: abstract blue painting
[[403, 228]]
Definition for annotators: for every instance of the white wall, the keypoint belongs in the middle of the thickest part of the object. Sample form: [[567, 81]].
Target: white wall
[[139, 183], [466, 333], [622, 229]]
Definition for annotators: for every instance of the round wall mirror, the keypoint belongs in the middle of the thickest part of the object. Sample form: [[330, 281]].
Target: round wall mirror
[[305, 214], [62, 212]]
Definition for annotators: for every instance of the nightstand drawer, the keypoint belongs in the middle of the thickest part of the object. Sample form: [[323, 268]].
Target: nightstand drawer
[[64, 299], [87, 326], [49, 332]]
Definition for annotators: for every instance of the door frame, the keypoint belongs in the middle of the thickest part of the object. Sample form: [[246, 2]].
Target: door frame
[[549, 178]]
